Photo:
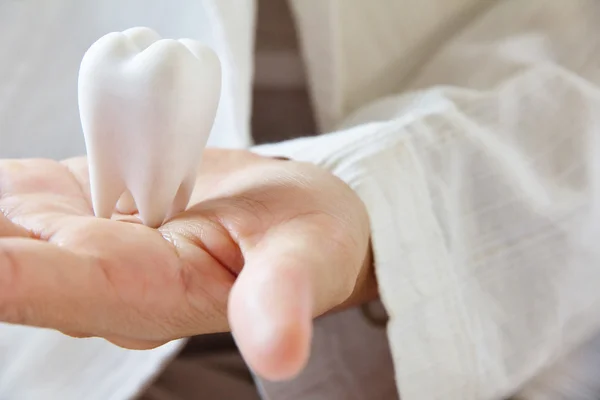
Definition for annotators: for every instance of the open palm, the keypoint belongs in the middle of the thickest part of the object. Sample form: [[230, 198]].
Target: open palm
[[264, 246]]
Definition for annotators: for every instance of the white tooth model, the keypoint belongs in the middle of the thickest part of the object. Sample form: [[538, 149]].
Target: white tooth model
[[147, 107]]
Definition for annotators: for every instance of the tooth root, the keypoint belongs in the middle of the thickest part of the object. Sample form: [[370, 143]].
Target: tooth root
[[106, 186], [154, 205], [153, 212], [182, 198]]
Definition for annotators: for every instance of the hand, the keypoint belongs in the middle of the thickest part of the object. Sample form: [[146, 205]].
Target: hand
[[264, 247]]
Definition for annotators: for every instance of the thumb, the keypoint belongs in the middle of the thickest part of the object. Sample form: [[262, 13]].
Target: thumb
[[287, 279]]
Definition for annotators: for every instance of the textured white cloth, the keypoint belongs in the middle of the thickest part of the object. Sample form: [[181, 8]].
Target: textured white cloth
[[482, 187], [470, 131]]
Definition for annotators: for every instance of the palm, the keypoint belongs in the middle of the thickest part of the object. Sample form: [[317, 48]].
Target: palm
[[262, 243], [148, 275]]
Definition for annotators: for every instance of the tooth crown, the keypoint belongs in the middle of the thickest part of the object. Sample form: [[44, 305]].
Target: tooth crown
[[147, 106]]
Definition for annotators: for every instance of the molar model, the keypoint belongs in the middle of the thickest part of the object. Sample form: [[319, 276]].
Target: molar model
[[147, 107]]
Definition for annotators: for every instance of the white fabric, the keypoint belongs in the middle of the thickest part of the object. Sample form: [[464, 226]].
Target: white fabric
[[357, 51], [38, 364], [482, 192], [481, 180]]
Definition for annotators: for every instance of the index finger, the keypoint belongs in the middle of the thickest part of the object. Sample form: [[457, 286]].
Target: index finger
[[46, 286]]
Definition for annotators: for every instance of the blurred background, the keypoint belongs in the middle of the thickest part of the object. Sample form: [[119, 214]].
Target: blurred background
[[43, 81]]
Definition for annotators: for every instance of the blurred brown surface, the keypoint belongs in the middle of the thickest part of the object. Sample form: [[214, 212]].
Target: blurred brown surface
[[281, 104], [275, 28], [280, 115]]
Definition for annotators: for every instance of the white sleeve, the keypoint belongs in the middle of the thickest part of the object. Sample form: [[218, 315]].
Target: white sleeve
[[484, 206]]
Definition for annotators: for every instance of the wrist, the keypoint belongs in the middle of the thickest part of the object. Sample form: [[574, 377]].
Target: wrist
[[366, 289]]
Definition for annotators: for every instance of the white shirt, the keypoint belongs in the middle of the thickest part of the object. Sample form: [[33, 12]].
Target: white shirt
[[470, 131]]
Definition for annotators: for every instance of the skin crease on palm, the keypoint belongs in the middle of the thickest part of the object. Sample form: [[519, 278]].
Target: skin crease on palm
[[264, 247]]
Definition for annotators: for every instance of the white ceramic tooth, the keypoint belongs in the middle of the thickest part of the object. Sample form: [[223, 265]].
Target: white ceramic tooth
[[147, 106]]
